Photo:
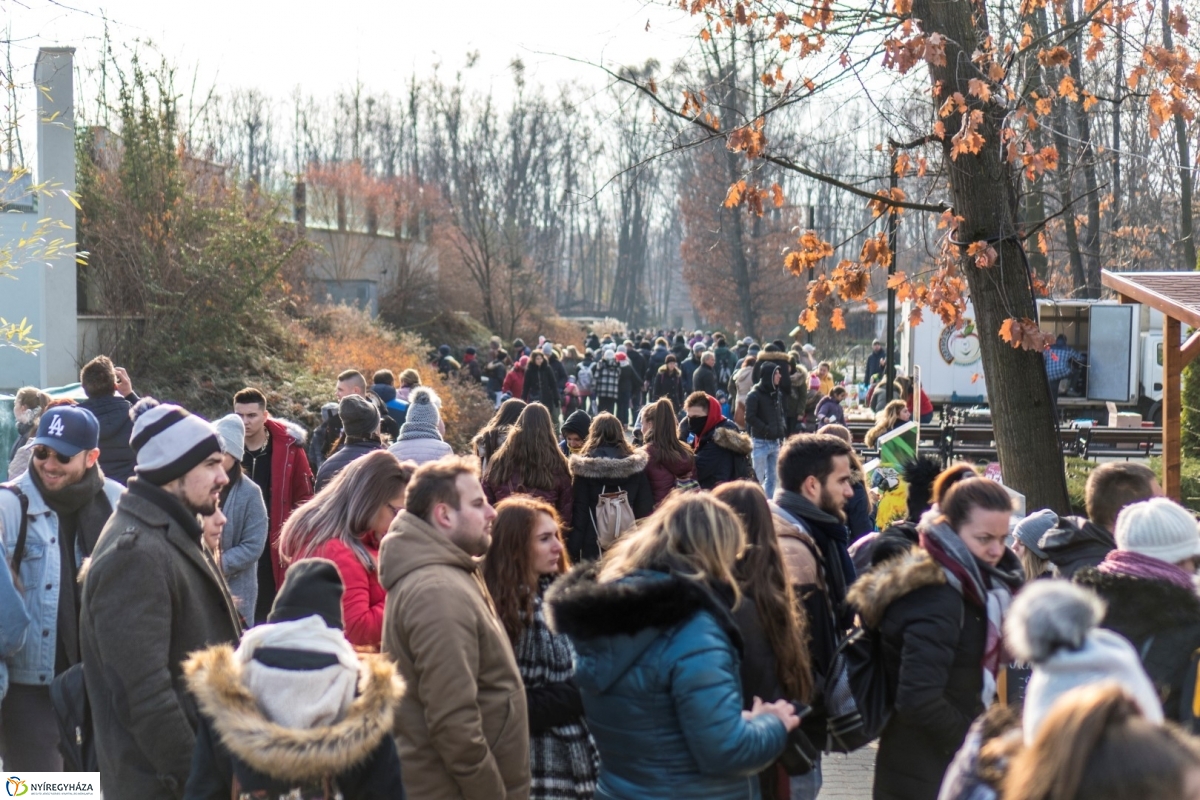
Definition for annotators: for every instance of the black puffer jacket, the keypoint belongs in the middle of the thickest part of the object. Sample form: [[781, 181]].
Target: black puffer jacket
[[605, 470], [933, 645], [541, 386], [766, 417], [1076, 543], [116, 456], [1161, 620], [723, 454]]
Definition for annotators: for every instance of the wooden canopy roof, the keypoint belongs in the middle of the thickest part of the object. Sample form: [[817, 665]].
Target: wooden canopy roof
[[1177, 296]]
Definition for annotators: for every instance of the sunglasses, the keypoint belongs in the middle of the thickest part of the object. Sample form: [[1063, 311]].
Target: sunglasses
[[42, 453]]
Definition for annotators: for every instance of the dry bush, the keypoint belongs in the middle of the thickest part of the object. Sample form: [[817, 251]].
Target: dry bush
[[340, 338], [556, 329]]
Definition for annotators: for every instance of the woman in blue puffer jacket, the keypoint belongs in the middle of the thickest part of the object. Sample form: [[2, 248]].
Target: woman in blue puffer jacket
[[657, 659]]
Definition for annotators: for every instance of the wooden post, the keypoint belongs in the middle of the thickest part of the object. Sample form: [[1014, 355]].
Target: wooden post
[[1172, 392]]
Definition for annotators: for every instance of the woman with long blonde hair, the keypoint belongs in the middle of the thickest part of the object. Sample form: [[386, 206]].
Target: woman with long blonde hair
[[345, 522], [894, 414], [657, 666]]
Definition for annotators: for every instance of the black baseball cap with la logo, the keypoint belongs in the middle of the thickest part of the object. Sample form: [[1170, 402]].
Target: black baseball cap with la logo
[[68, 430]]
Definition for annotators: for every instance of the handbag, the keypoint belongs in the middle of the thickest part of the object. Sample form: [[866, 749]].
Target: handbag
[[612, 517]]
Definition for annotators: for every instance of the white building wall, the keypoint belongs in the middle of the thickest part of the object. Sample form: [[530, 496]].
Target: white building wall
[[44, 289]]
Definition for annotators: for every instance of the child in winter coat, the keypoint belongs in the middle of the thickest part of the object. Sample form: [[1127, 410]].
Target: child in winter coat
[[294, 711]]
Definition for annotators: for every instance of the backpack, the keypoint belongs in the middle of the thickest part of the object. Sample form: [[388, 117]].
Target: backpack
[[584, 380], [858, 697], [22, 532], [612, 517], [73, 712]]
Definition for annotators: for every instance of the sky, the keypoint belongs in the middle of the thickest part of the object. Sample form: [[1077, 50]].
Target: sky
[[322, 47]]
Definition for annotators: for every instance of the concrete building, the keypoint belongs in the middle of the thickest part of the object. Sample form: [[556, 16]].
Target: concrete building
[[44, 289]]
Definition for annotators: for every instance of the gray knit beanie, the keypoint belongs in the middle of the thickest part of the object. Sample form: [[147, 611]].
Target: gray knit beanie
[[168, 441], [359, 416], [1030, 530], [423, 415], [232, 431]]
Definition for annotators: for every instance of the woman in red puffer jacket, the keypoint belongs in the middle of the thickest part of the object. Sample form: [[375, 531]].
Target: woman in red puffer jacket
[[671, 461], [344, 523]]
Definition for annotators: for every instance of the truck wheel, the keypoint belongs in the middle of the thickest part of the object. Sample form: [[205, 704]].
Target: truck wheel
[[1155, 414]]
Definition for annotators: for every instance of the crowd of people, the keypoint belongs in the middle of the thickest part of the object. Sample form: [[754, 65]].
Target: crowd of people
[[643, 581]]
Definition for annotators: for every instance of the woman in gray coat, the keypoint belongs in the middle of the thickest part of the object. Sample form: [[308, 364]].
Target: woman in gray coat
[[245, 533]]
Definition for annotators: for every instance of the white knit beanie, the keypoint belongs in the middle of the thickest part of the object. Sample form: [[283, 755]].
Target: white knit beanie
[[168, 441], [232, 431], [1052, 625], [1158, 528]]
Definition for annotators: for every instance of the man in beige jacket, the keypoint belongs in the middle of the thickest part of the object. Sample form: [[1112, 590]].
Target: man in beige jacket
[[462, 729]]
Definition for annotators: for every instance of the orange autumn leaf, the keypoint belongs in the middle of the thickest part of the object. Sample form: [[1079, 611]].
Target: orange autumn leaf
[[1054, 57], [837, 321], [979, 89], [808, 319], [777, 195]]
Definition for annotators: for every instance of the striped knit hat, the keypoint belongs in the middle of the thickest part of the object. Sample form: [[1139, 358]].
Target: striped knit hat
[[168, 441]]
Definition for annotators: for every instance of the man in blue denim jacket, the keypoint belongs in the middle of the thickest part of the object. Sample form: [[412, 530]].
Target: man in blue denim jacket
[[69, 500]]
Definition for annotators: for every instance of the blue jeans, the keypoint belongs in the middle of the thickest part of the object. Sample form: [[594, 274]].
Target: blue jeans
[[807, 787], [764, 456]]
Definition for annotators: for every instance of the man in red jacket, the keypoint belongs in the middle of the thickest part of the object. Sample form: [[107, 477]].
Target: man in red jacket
[[275, 460]]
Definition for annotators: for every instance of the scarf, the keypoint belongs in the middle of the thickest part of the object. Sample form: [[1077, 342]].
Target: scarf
[[1137, 565], [565, 755], [82, 510], [831, 536], [984, 586]]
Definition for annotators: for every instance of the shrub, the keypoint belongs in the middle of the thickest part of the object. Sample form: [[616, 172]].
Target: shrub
[[339, 338]]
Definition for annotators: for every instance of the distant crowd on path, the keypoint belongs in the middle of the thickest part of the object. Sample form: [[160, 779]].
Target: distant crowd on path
[[677, 599]]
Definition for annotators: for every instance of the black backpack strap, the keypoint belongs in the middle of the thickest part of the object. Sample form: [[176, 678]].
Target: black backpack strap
[[23, 529]]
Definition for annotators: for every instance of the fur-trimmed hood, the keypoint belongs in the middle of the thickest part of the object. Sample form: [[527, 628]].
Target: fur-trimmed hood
[[612, 624], [215, 679], [733, 440], [1139, 607], [608, 465], [295, 430], [878, 588]]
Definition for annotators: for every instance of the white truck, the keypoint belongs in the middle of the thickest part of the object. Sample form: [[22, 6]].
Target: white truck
[[1122, 343]]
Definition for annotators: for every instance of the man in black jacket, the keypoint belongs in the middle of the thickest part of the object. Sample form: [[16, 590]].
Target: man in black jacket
[[814, 484], [109, 396], [704, 379], [766, 421], [1077, 543]]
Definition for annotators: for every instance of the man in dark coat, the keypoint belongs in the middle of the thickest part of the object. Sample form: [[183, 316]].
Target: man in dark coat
[[815, 481], [704, 379], [109, 397], [689, 366], [360, 436], [151, 596], [875, 361], [766, 421], [1077, 543]]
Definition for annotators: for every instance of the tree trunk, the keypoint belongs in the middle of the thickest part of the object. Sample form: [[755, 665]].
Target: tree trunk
[[1063, 180], [983, 190], [1187, 241], [1087, 160], [1118, 91]]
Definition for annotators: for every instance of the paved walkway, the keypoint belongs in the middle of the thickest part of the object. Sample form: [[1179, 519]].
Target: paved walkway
[[848, 777]]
